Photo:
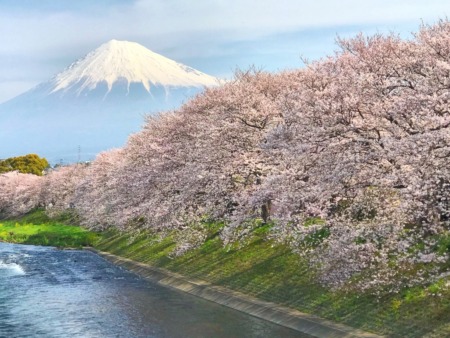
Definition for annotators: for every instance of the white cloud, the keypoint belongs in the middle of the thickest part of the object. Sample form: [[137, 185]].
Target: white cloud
[[224, 20], [252, 17], [189, 29]]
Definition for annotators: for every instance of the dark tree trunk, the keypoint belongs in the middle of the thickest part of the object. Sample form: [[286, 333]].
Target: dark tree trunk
[[265, 211]]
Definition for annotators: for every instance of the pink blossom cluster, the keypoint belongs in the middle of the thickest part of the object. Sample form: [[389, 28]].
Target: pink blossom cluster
[[19, 193], [348, 159]]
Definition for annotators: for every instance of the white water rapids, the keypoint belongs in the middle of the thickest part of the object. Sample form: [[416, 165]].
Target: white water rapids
[[11, 268]]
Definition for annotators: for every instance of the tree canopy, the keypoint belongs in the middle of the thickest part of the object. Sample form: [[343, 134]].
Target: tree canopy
[[347, 160], [27, 164]]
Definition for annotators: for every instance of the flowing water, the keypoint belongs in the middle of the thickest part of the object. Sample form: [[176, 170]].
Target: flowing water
[[45, 292]]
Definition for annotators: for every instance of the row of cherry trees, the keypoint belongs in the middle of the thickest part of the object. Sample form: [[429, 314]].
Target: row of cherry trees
[[348, 158]]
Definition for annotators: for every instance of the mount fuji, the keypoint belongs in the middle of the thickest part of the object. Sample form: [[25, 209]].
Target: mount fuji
[[96, 102]]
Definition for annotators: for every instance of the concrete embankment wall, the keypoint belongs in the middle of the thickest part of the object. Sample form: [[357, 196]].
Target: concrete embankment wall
[[305, 323]]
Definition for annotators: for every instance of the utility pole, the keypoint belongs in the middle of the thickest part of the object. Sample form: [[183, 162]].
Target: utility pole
[[79, 154]]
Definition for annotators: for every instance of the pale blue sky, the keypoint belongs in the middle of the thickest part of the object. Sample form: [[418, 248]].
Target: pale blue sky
[[40, 38]]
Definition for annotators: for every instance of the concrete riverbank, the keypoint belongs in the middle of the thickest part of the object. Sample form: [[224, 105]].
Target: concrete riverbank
[[305, 323]]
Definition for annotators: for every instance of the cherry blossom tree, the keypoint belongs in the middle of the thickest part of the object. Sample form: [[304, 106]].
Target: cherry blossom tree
[[58, 189], [375, 116], [346, 158], [19, 193], [99, 195]]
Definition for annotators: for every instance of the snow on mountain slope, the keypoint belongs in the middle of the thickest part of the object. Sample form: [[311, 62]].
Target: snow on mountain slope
[[126, 61], [96, 102]]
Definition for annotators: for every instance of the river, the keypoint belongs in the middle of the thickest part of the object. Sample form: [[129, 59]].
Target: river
[[45, 292]]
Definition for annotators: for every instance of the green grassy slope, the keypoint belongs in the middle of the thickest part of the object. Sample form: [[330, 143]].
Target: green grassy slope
[[261, 268], [271, 272], [36, 228]]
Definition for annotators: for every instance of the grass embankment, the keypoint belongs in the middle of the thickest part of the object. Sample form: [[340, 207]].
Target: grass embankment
[[271, 272], [261, 268], [37, 229]]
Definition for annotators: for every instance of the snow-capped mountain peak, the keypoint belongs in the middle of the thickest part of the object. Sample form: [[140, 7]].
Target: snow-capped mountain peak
[[129, 62], [96, 102]]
